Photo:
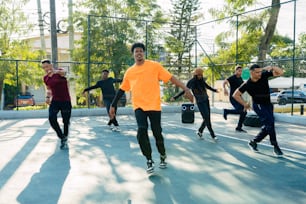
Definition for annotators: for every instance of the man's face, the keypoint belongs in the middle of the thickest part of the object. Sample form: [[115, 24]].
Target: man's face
[[199, 76], [104, 75], [256, 73], [47, 67], [138, 54], [238, 72]]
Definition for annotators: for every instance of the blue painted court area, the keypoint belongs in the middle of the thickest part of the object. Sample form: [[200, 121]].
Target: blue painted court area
[[102, 166]]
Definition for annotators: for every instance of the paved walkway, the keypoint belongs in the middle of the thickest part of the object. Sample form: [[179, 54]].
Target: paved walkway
[[102, 166]]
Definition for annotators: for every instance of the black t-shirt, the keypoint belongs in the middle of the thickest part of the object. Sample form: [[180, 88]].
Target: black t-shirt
[[106, 86], [234, 82], [259, 90], [198, 88]]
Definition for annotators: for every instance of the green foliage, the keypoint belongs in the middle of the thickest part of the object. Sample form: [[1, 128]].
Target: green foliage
[[27, 108], [256, 37], [232, 8], [168, 91], [182, 37], [224, 59], [113, 26], [12, 17]]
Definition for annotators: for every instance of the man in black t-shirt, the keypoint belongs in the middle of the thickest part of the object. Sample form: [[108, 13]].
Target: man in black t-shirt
[[199, 89], [258, 88], [234, 82], [108, 91]]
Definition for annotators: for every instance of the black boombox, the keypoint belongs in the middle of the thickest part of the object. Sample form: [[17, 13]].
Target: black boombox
[[187, 113]]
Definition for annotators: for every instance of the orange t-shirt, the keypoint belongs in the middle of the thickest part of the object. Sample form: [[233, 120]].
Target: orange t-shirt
[[143, 82]]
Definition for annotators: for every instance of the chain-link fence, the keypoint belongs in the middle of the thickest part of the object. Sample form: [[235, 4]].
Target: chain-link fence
[[25, 77]]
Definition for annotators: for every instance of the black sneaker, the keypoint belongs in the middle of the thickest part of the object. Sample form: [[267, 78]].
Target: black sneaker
[[225, 114], [64, 144], [241, 130], [253, 145], [150, 164], [162, 163], [199, 134], [277, 151]]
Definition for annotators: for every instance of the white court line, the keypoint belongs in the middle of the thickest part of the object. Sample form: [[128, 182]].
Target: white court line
[[245, 140], [221, 135], [262, 144]]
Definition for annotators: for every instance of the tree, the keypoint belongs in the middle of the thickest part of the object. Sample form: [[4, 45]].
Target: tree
[[181, 39], [269, 30], [13, 20], [182, 34], [223, 60], [113, 26], [265, 22], [282, 50]]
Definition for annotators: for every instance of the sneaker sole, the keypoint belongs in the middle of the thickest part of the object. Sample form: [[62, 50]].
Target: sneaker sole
[[241, 131], [278, 155], [163, 166], [149, 171], [64, 147], [199, 136], [215, 139]]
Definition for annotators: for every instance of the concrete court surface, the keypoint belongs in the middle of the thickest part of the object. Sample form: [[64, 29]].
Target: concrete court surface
[[102, 166]]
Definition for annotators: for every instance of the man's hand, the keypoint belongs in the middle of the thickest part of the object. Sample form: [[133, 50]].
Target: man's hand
[[225, 92], [246, 107], [188, 95], [60, 71], [112, 112], [48, 100]]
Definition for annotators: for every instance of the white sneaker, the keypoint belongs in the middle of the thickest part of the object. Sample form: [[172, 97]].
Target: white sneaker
[[215, 138], [116, 129], [163, 163], [150, 168]]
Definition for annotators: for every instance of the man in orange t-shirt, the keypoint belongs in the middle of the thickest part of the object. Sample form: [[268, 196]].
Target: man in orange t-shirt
[[142, 79]]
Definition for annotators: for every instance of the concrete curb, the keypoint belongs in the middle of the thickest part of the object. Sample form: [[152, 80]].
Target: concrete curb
[[280, 117]]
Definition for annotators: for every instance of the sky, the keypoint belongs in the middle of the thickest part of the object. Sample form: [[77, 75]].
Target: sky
[[208, 31], [285, 23]]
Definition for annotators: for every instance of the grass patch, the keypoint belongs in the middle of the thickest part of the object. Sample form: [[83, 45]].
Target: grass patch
[[287, 109]]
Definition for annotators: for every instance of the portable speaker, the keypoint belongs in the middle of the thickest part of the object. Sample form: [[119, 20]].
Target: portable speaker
[[187, 113]]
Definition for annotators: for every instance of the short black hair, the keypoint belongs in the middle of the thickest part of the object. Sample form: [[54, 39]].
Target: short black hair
[[136, 45], [105, 70], [46, 61], [254, 66], [238, 67]]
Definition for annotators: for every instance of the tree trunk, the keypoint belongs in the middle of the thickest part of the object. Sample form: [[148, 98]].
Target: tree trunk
[[269, 31]]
